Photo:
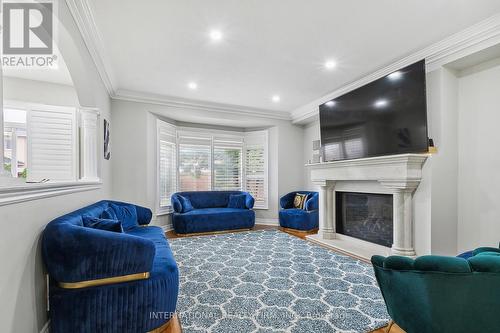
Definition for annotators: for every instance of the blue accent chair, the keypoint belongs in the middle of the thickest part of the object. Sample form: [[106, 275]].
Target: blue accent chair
[[208, 212], [300, 219], [74, 254], [442, 294]]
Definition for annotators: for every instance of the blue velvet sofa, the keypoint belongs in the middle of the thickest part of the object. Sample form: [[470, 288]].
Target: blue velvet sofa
[[300, 219], [107, 281], [208, 211], [442, 294]]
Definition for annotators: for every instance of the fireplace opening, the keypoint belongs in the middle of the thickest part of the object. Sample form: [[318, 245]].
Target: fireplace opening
[[365, 216]]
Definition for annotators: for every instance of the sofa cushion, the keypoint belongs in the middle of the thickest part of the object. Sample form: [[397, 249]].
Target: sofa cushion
[[213, 219], [164, 261], [109, 214], [186, 204], [127, 215], [102, 224], [237, 201]]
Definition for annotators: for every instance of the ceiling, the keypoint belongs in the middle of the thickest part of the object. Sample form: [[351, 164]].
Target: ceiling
[[269, 47]]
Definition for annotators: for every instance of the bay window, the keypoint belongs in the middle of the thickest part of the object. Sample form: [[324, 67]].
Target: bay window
[[201, 160]]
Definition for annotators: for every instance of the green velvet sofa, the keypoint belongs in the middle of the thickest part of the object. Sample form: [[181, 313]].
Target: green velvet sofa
[[436, 294]]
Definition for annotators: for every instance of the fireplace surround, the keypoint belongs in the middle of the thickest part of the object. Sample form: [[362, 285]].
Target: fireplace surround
[[396, 175]]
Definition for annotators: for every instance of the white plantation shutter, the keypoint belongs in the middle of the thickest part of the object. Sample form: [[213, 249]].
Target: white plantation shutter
[[195, 152], [227, 163], [167, 175], [52, 144], [256, 167]]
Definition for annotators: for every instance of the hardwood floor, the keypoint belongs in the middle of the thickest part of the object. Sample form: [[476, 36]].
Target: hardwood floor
[[171, 234], [299, 234]]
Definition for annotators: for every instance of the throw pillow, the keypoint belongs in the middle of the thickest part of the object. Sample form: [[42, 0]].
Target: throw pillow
[[186, 204], [102, 224], [127, 215], [109, 214], [237, 201], [299, 201]]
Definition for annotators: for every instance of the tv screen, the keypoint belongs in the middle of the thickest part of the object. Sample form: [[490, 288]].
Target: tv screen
[[387, 116]]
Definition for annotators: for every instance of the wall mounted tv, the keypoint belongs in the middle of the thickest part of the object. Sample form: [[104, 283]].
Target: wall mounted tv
[[385, 117]]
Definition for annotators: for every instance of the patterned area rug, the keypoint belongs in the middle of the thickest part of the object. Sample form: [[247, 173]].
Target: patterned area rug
[[269, 281]]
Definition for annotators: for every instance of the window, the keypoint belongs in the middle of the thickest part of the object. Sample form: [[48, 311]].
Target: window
[[256, 157], [41, 143], [167, 180], [228, 155], [195, 173], [199, 160]]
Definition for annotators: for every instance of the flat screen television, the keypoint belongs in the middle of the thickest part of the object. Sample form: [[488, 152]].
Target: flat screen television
[[385, 117]]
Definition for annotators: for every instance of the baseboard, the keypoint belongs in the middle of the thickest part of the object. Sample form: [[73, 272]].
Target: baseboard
[[264, 221], [167, 227], [46, 327]]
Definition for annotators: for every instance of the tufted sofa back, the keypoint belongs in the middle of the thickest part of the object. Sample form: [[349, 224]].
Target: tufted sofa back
[[442, 294]]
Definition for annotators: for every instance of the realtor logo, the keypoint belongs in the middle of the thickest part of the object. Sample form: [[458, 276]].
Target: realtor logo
[[27, 28], [28, 34]]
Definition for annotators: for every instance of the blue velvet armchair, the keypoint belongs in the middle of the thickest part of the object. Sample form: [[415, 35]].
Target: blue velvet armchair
[[109, 281], [300, 219]]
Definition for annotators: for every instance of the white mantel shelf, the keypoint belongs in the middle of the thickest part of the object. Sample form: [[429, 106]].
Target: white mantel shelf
[[398, 174]]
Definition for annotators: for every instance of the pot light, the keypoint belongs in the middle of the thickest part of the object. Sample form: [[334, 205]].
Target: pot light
[[215, 35], [330, 104], [381, 103], [395, 76], [192, 85], [276, 98], [330, 64]]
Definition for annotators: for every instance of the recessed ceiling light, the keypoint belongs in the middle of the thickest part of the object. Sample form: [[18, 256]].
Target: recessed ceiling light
[[330, 104], [381, 103], [330, 64], [276, 98], [215, 35], [192, 85], [395, 76]]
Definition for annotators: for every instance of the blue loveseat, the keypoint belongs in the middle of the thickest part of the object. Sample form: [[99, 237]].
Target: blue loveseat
[[208, 211], [300, 219], [106, 281]]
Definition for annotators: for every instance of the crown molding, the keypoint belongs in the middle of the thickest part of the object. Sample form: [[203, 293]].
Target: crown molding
[[84, 19], [142, 97], [470, 40]]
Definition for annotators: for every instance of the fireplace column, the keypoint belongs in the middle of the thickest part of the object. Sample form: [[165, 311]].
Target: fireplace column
[[326, 209], [402, 216]]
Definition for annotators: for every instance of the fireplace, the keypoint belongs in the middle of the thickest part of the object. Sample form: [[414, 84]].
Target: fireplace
[[365, 216]]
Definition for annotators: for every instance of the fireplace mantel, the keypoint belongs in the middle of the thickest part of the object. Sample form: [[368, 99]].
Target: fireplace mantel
[[399, 174]]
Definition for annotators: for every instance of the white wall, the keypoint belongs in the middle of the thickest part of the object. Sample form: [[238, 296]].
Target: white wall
[[22, 281], [479, 158], [134, 173], [17, 89]]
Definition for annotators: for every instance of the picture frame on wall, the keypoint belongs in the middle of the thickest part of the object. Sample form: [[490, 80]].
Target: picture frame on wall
[[107, 151]]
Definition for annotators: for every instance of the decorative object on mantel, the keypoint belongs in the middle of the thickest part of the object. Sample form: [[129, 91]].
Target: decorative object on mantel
[[398, 175], [107, 152], [316, 151]]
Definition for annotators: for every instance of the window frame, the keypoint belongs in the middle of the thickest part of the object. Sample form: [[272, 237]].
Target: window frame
[[215, 136], [14, 190]]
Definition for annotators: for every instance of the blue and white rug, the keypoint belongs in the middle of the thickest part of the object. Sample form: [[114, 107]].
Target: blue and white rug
[[269, 281]]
